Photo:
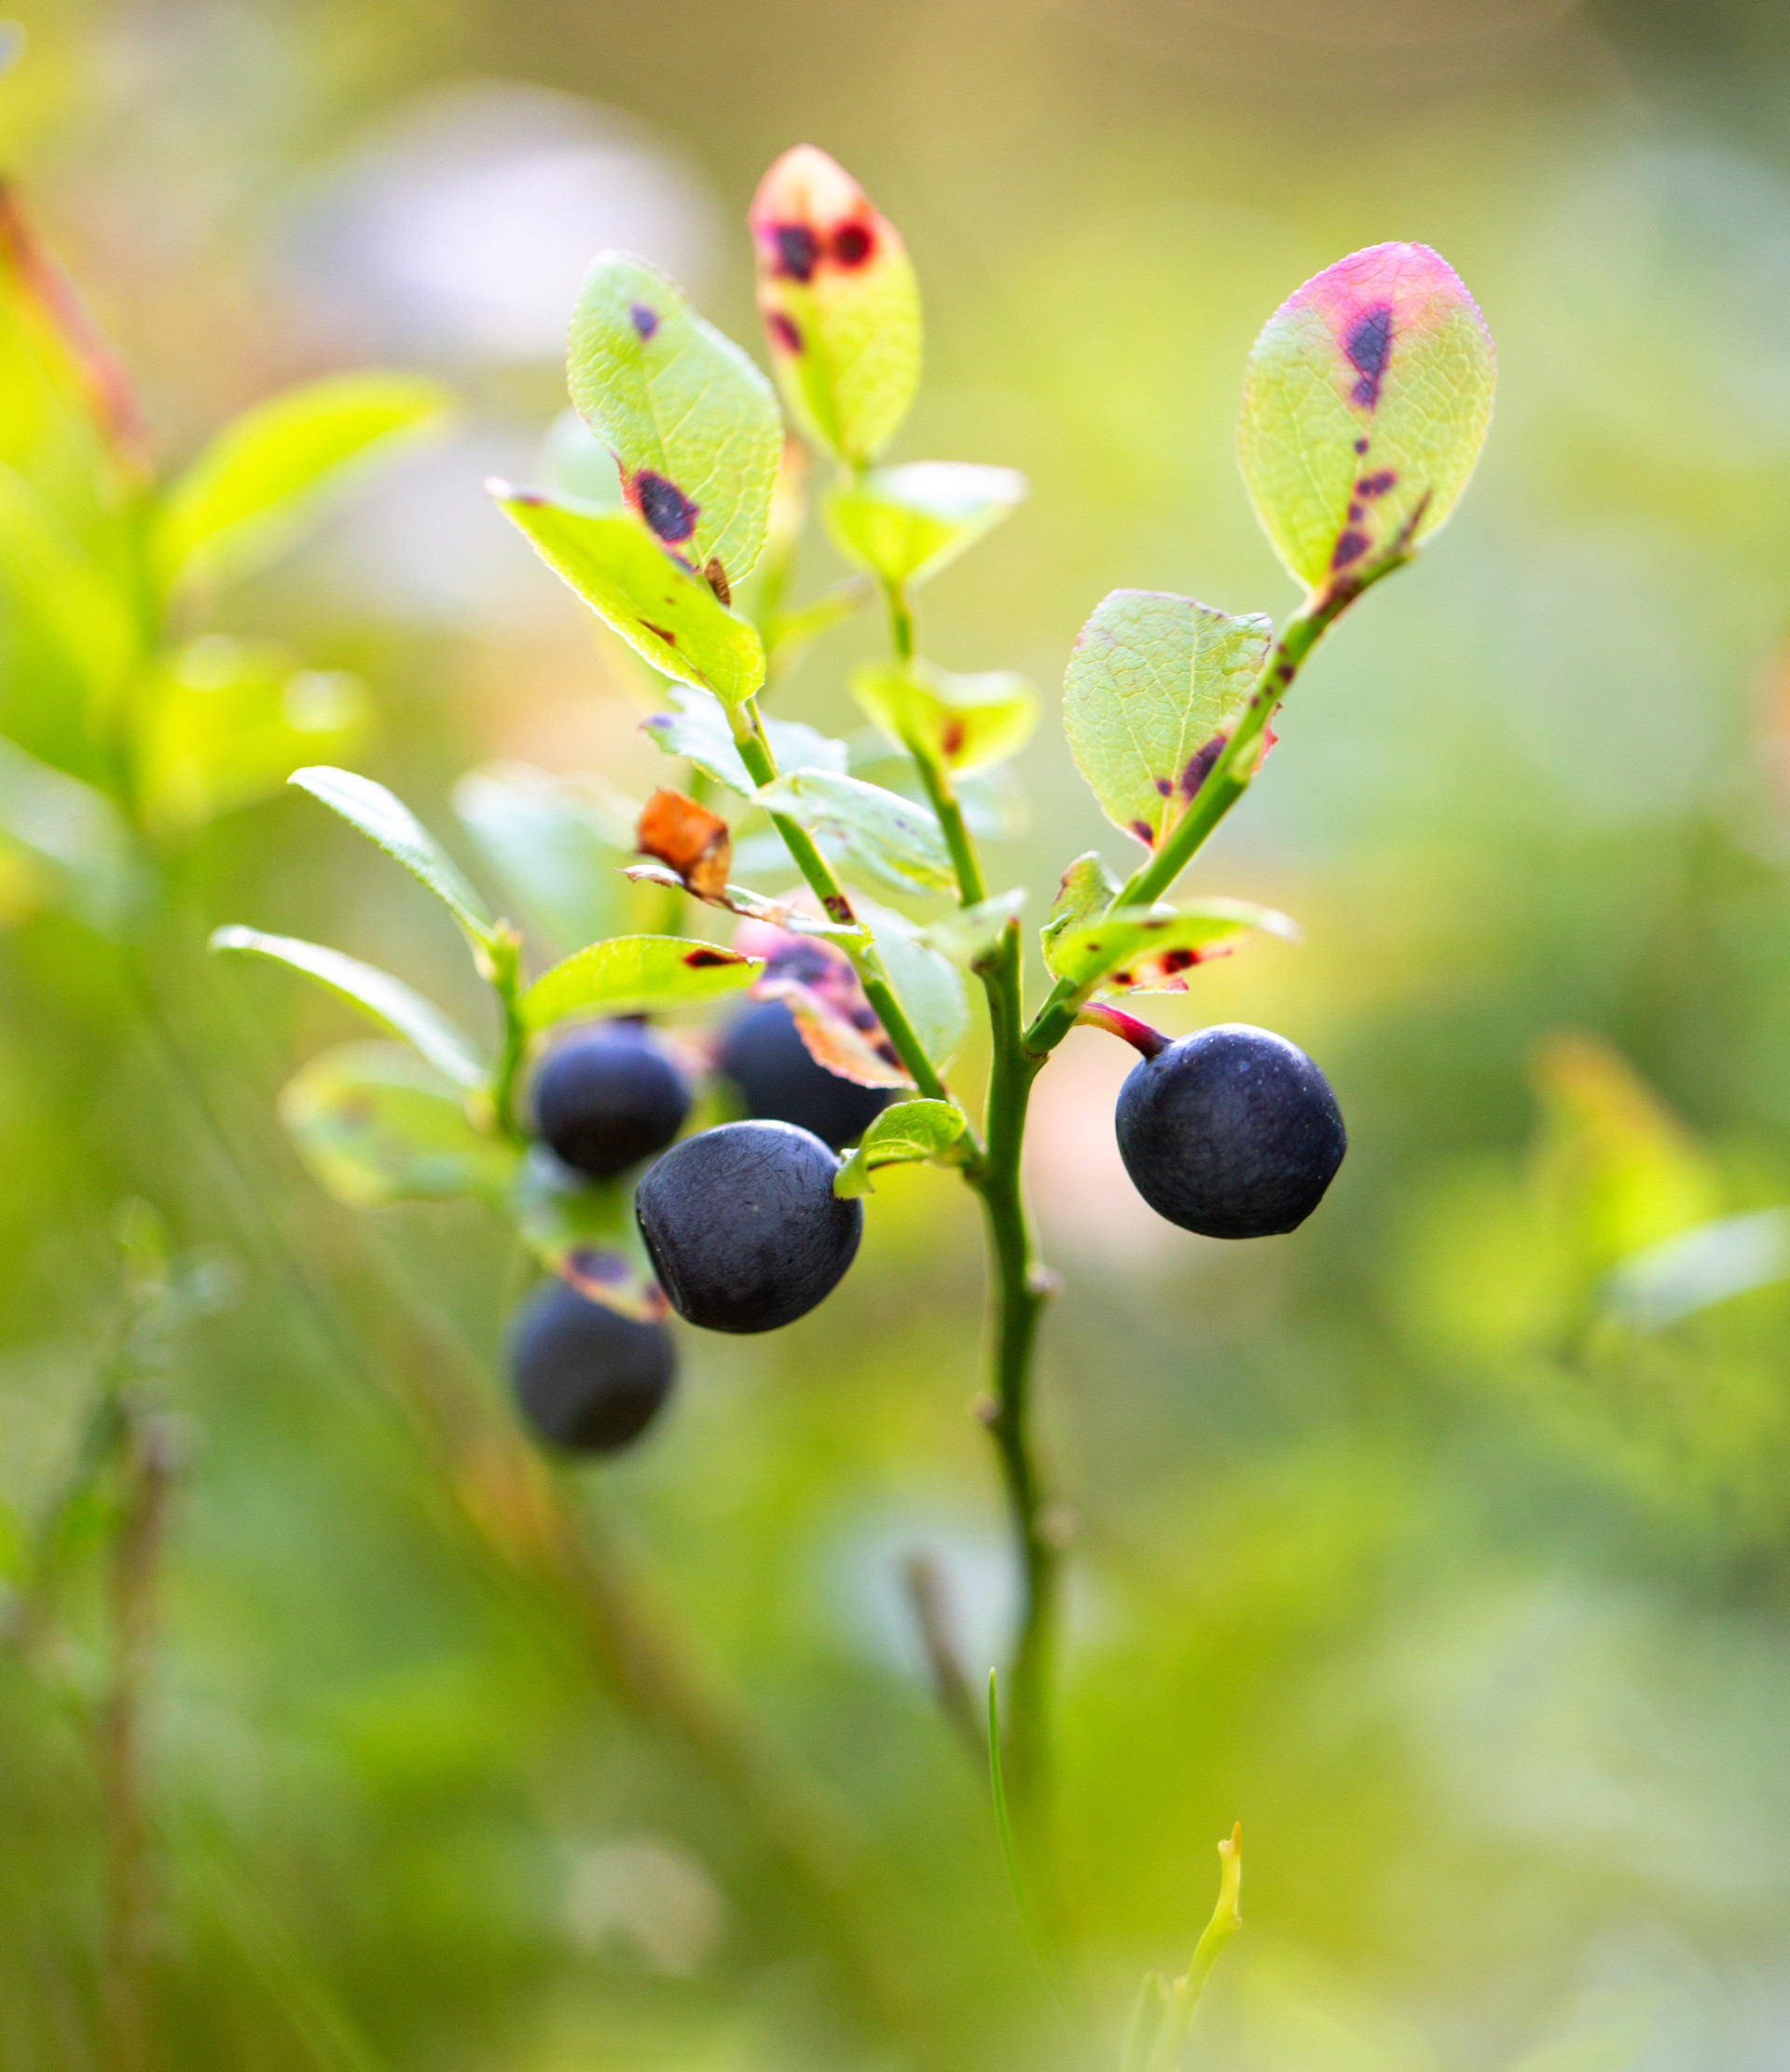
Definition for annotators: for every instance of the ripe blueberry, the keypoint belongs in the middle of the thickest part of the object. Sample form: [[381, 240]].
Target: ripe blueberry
[[763, 1054], [744, 1228], [1233, 1132], [608, 1097], [587, 1380]]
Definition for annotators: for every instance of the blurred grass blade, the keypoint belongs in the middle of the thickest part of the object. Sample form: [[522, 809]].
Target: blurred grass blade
[[840, 304], [1366, 401], [71, 831], [1185, 1995], [269, 474], [389, 1001], [389, 824], [692, 422], [1004, 1833]]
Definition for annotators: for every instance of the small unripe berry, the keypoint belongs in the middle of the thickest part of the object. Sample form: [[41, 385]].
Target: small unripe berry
[[587, 1379], [607, 1097], [744, 1231], [1233, 1132], [763, 1054]]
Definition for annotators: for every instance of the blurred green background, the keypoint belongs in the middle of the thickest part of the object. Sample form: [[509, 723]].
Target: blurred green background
[[1446, 1544]]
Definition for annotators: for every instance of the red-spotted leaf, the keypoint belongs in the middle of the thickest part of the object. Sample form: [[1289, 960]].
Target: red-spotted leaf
[[1154, 687], [635, 974], [1364, 408], [962, 723], [584, 1232], [840, 304], [818, 984], [692, 422], [1151, 949]]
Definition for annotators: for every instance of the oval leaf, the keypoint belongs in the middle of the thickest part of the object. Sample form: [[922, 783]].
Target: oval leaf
[[692, 422], [635, 974], [385, 819], [375, 1124], [819, 985], [840, 304], [905, 524], [1364, 405], [389, 1001], [669, 616], [264, 476], [1149, 949], [904, 1134], [960, 723], [1154, 688], [555, 845], [927, 982], [897, 839]]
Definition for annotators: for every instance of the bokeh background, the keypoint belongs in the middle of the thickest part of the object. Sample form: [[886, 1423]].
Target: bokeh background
[[1446, 1544]]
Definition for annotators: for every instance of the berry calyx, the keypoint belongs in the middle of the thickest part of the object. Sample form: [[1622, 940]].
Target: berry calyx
[[607, 1097], [763, 1054], [1233, 1132], [744, 1231], [586, 1380]]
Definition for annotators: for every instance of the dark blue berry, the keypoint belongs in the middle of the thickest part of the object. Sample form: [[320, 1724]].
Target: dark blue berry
[[1233, 1132], [586, 1380], [744, 1231], [607, 1097], [763, 1054]]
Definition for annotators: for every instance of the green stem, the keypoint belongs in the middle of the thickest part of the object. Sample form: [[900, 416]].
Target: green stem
[[1226, 782], [760, 766], [502, 965], [971, 889]]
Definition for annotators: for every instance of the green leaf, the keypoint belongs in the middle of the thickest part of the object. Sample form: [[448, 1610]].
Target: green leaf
[[897, 839], [636, 974], [696, 728], [1147, 949], [690, 420], [375, 1124], [71, 832], [266, 474], [1154, 687], [79, 623], [389, 1001], [555, 845], [575, 465], [669, 616], [1365, 405], [386, 821], [961, 722], [840, 303], [224, 721], [967, 936], [903, 1134], [1087, 889], [585, 1233], [927, 982], [906, 523]]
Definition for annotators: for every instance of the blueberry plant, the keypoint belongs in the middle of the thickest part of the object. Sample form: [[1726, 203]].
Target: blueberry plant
[[675, 513]]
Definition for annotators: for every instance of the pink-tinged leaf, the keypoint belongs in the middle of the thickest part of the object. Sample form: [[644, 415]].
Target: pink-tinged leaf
[[1365, 405], [737, 898], [820, 987], [840, 304]]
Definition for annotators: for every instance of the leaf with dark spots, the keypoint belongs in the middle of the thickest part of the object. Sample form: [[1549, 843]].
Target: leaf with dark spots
[[1368, 344], [668, 512], [1151, 949], [819, 985], [1377, 485], [796, 249], [645, 320], [1350, 546], [853, 243], [715, 576], [783, 331], [605, 1277], [700, 960], [1199, 765], [634, 974], [696, 843]]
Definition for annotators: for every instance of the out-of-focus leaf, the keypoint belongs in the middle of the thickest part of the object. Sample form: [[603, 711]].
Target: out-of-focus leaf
[[994, 803], [1712, 1263], [635, 974], [1365, 405], [840, 304], [72, 833], [584, 1232], [963, 722], [227, 719], [1147, 949], [897, 839], [695, 844], [666, 614], [906, 523], [1154, 687], [696, 728], [386, 821], [268, 474], [903, 1134], [376, 1124], [50, 586], [968, 935], [690, 420], [555, 845], [574, 464], [389, 1001], [819, 986], [741, 899], [928, 984]]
